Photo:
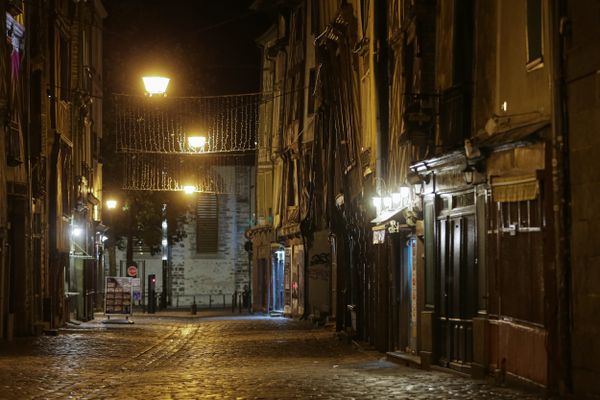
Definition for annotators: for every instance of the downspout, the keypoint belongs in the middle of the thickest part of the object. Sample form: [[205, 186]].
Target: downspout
[[561, 196], [382, 131], [3, 229], [382, 89], [27, 76]]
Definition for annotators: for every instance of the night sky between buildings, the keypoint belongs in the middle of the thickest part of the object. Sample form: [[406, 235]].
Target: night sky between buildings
[[205, 47]]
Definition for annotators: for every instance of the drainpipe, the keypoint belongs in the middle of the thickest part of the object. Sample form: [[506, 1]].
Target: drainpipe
[[26, 75], [381, 87], [382, 101], [561, 200]]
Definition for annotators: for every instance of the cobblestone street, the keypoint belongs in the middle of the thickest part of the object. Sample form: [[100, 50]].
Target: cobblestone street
[[177, 357]]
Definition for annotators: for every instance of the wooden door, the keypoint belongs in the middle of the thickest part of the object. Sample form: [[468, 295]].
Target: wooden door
[[457, 290]]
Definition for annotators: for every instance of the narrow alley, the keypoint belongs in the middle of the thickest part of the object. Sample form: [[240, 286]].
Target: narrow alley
[[174, 356]]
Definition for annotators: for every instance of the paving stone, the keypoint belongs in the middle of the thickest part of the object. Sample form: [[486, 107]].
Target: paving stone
[[169, 356]]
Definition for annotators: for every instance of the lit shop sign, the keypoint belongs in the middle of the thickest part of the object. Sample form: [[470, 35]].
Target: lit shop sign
[[379, 235], [393, 201]]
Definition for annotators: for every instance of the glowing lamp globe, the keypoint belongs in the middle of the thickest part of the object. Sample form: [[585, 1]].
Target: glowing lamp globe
[[189, 189], [155, 85], [197, 142]]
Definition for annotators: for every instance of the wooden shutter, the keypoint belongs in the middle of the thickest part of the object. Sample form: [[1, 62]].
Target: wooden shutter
[[207, 224]]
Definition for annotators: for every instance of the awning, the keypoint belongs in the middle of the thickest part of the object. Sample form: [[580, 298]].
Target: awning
[[504, 130], [515, 188], [79, 252], [388, 215], [92, 199]]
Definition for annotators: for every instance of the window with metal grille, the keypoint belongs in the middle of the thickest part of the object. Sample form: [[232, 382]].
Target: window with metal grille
[[207, 223], [463, 200], [523, 216]]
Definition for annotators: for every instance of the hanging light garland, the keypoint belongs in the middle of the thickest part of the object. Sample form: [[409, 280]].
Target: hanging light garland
[[185, 143], [163, 125], [178, 173]]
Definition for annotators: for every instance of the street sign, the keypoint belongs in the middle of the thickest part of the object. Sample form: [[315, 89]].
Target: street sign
[[132, 271]]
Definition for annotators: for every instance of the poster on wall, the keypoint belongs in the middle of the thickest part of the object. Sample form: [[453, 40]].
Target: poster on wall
[[298, 263], [118, 296], [413, 303], [287, 279], [294, 287]]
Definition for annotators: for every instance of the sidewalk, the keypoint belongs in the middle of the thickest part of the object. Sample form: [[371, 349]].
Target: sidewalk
[[178, 313]]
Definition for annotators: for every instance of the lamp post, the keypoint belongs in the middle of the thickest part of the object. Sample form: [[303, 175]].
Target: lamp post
[[111, 205]]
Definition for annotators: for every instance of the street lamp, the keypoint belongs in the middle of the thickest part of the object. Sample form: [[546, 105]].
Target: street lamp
[[111, 204], [156, 85], [197, 142], [189, 189]]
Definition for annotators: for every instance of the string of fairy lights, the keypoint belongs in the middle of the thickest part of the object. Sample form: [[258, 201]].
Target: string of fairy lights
[[175, 173], [181, 143], [165, 125]]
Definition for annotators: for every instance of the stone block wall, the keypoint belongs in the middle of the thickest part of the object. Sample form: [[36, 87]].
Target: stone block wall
[[201, 277], [197, 276], [583, 94]]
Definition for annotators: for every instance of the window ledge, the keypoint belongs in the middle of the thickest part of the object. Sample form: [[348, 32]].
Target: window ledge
[[536, 64]]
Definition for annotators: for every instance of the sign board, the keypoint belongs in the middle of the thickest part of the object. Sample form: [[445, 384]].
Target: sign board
[[118, 296], [378, 235], [136, 284], [132, 271]]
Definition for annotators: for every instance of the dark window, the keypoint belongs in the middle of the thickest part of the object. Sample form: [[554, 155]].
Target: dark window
[[64, 68], [429, 216], [36, 113], [298, 24], [207, 223], [314, 17], [311, 90], [462, 58], [534, 31], [66, 179], [291, 183]]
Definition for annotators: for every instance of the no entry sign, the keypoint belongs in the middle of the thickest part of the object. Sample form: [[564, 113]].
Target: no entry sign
[[132, 271]]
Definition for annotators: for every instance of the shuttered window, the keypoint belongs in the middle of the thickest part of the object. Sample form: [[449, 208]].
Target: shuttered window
[[207, 223]]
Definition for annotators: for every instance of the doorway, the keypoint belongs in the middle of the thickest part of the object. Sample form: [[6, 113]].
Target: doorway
[[277, 285], [457, 288]]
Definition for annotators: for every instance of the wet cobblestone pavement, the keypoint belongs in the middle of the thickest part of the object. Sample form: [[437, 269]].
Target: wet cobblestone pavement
[[243, 357]]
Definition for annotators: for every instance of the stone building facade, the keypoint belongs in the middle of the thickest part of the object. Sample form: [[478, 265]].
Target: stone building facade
[[51, 84]]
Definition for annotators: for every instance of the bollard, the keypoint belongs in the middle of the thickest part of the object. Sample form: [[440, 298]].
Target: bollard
[[240, 304], [223, 301], [233, 301], [210, 301], [194, 307]]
